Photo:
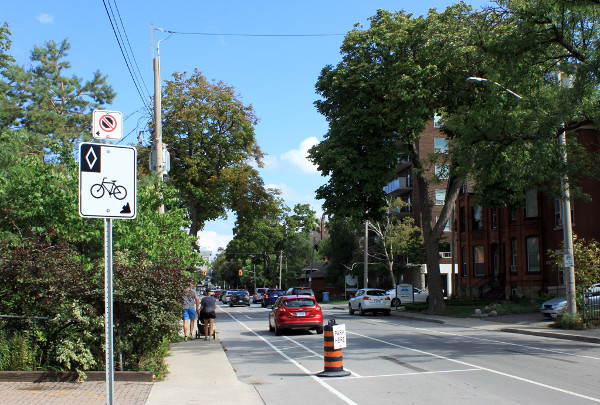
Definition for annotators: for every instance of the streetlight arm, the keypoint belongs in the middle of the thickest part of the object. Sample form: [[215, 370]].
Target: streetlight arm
[[474, 79]]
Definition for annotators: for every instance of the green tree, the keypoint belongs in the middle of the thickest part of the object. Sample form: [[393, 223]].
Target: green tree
[[210, 133], [586, 257], [391, 81], [8, 111], [54, 106], [396, 237]]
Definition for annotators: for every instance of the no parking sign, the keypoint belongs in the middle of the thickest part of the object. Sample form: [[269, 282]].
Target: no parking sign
[[107, 124]]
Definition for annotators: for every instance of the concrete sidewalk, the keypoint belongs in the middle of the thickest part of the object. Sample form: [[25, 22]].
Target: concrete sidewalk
[[200, 373]]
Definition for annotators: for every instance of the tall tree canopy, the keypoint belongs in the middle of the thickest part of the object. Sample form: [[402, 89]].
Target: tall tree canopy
[[210, 134], [54, 107], [397, 74]]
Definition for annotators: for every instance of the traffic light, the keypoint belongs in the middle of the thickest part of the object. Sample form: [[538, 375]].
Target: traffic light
[[239, 272], [204, 272]]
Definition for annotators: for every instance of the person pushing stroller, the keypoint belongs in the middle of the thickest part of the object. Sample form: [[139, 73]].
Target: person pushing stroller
[[208, 308]]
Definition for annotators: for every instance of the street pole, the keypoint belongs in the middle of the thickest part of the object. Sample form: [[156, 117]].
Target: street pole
[[280, 265], [366, 256], [158, 144], [312, 263], [568, 260]]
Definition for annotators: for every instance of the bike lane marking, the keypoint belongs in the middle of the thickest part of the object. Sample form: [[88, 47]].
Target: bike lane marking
[[501, 342], [474, 366], [294, 362]]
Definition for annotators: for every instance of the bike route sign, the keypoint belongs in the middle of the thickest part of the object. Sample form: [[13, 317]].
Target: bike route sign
[[107, 181]]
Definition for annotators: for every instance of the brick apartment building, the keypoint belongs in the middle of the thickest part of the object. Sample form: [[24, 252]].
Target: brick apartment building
[[497, 251], [503, 251]]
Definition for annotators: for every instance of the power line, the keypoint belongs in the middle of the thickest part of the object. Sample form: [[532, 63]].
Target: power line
[[119, 39], [131, 50], [249, 35]]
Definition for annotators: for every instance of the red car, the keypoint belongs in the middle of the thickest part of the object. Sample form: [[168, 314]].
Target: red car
[[295, 312]]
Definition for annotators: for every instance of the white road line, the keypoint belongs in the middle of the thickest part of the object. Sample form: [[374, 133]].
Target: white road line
[[415, 373], [294, 362], [575, 394], [504, 342]]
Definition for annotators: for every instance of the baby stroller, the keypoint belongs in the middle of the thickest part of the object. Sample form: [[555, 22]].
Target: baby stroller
[[200, 327]]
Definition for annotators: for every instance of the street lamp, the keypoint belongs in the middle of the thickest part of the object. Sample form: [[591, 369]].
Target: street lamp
[[566, 214]]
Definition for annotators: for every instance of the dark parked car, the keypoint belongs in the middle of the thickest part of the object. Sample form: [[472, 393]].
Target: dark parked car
[[300, 291], [239, 298], [271, 296], [295, 312]]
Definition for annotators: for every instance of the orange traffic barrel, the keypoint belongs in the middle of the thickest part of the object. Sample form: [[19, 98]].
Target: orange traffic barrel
[[334, 362]]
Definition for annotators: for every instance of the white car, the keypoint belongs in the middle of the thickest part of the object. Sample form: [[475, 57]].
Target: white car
[[370, 300], [419, 296]]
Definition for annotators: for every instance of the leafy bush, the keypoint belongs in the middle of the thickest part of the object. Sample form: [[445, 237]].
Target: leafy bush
[[16, 352], [569, 321]]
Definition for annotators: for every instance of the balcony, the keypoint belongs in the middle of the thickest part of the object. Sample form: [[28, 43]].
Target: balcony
[[398, 187]]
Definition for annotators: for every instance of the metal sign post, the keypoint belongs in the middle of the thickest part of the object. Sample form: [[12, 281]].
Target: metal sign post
[[108, 311], [108, 189]]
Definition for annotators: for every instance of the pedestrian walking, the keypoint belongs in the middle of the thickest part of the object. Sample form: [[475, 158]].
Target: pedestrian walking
[[191, 302], [208, 308]]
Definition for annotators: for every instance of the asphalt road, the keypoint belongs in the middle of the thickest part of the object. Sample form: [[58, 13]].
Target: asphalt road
[[401, 361]]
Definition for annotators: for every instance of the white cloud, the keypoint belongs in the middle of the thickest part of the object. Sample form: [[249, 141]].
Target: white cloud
[[292, 197], [45, 18], [298, 157], [212, 241]]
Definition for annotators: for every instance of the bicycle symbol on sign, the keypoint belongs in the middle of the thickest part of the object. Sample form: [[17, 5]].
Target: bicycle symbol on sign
[[98, 190]]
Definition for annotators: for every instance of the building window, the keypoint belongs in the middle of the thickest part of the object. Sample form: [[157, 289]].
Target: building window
[[442, 170], [477, 218], [440, 145], [462, 220], [478, 262], [445, 250], [531, 204], [440, 197], [464, 261], [513, 214], [514, 256], [533, 254], [437, 120], [494, 218], [558, 209]]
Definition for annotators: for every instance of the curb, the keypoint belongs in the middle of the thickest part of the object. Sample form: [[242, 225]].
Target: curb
[[71, 376], [554, 335]]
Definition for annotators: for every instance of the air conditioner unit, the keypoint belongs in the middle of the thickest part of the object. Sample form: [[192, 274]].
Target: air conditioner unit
[[513, 268], [446, 255]]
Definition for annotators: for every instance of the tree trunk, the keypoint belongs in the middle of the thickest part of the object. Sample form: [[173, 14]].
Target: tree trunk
[[194, 226], [432, 234]]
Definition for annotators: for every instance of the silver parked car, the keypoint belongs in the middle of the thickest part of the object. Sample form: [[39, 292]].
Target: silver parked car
[[554, 307]]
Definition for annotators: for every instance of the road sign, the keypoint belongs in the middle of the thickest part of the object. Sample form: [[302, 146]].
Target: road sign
[[107, 181], [568, 260], [339, 336], [107, 124]]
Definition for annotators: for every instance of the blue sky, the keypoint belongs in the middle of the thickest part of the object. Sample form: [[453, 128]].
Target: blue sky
[[276, 75]]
